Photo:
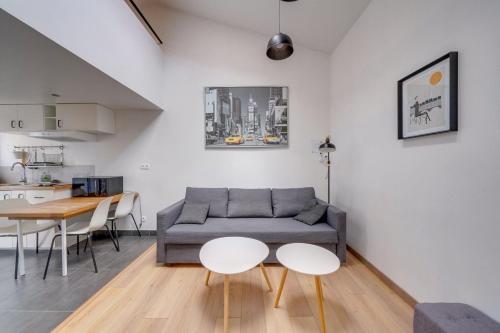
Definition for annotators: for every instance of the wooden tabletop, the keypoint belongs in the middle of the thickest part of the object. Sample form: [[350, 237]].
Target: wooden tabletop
[[35, 187], [56, 210]]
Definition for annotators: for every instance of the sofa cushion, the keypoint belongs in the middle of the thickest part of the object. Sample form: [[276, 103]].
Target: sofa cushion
[[312, 215], [268, 230], [249, 203], [291, 201], [193, 213], [215, 197]]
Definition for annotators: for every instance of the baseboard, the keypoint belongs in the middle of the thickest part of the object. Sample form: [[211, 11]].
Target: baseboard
[[391, 284]]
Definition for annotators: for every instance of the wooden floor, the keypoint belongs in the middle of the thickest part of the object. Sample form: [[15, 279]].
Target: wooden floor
[[146, 297]]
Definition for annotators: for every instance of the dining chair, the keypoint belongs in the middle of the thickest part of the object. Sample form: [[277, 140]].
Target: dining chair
[[97, 221], [8, 228], [124, 209]]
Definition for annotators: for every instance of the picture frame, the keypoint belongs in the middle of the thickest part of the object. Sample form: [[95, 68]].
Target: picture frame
[[428, 99], [246, 117]]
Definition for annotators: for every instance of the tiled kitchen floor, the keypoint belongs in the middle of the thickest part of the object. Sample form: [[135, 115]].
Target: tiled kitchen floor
[[31, 304]]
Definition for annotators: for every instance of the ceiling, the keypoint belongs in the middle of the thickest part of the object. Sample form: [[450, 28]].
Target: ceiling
[[316, 24], [33, 67]]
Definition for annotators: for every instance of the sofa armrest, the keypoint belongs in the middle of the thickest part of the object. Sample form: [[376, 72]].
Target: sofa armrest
[[164, 220], [337, 219]]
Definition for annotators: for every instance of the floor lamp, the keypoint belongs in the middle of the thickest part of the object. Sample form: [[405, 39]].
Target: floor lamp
[[327, 147]]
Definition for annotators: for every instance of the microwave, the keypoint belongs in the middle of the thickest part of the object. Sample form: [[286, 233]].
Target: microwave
[[97, 186]]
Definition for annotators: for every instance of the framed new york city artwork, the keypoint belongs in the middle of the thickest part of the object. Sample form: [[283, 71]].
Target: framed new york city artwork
[[428, 99], [253, 117]]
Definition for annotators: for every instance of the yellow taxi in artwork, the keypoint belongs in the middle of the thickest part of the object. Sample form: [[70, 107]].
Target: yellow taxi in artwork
[[234, 140], [271, 139]]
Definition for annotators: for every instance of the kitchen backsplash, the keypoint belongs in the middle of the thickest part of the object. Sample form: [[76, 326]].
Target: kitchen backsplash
[[64, 174]]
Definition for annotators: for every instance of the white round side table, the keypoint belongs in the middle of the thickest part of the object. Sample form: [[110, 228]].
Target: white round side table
[[233, 255], [311, 260]]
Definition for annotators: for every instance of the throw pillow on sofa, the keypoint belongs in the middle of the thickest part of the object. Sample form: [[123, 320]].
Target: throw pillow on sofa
[[249, 203], [288, 202], [215, 197], [312, 215], [193, 214]]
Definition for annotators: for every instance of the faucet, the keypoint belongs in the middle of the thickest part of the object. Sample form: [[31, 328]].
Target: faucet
[[23, 180]]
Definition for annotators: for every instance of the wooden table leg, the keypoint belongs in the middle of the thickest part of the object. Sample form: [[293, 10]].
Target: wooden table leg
[[207, 278], [263, 269], [226, 303], [319, 296], [280, 288]]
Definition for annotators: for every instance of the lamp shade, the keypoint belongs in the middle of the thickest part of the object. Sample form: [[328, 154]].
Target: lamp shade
[[327, 146], [279, 47]]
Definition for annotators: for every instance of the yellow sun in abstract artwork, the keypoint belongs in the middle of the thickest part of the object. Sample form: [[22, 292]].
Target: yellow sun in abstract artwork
[[436, 78]]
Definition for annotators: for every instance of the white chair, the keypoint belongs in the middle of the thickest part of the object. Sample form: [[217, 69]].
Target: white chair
[[124, 209], [97, 221], [8, 228]]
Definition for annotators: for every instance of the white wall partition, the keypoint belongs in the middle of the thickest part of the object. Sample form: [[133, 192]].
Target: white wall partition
[[425, 210], [172, 141], [104, 33], [201, 53]]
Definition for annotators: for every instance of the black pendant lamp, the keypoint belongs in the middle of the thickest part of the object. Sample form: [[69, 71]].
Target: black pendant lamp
[[280, 46]]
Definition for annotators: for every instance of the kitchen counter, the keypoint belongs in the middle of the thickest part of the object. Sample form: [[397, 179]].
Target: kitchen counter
[[57, 209], [34, 187]]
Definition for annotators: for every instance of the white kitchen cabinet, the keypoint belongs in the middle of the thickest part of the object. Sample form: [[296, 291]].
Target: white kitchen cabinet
[[8, 118], [36, 197], [5, 195], [91, 118], [30, 117], [5, 242], [17, 194], [23, 117]]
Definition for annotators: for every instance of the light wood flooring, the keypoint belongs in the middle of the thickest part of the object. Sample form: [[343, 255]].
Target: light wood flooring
[[146, 297]]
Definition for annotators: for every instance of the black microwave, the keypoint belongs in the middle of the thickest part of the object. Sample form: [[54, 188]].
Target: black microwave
[[97, 186]]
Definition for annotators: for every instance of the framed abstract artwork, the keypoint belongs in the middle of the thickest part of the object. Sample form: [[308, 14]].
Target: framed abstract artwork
[[247, 117], [428, 99]]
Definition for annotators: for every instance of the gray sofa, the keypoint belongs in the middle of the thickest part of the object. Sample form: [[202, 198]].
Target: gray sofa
[[263, 214]]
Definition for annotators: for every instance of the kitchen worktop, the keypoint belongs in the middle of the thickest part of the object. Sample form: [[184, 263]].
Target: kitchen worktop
[[34, 187], [61, 209]]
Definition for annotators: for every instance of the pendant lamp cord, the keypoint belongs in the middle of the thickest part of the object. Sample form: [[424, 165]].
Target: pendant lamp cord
[[279, 16]]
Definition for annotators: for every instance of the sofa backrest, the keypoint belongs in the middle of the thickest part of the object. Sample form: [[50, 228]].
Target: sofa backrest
[[291, 201], [249, 202], [264, 202], [215, 197]]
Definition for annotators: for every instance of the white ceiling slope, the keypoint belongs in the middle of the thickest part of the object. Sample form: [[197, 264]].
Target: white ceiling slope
[[32, 67], [316, 24]]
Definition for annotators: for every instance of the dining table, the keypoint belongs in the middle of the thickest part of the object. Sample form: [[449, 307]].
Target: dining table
[[57, 210]]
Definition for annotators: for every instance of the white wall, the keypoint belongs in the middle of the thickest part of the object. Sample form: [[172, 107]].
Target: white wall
[[424, 211], [75, 153], [104, 33], [199, 53]]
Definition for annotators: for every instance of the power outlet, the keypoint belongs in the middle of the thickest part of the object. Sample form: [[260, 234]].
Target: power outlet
[[144, 219], [145, 166]]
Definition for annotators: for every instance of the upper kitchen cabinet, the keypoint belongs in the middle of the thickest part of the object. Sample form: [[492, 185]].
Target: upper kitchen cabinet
[[26, 119], [23, 118], [91, 118]]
